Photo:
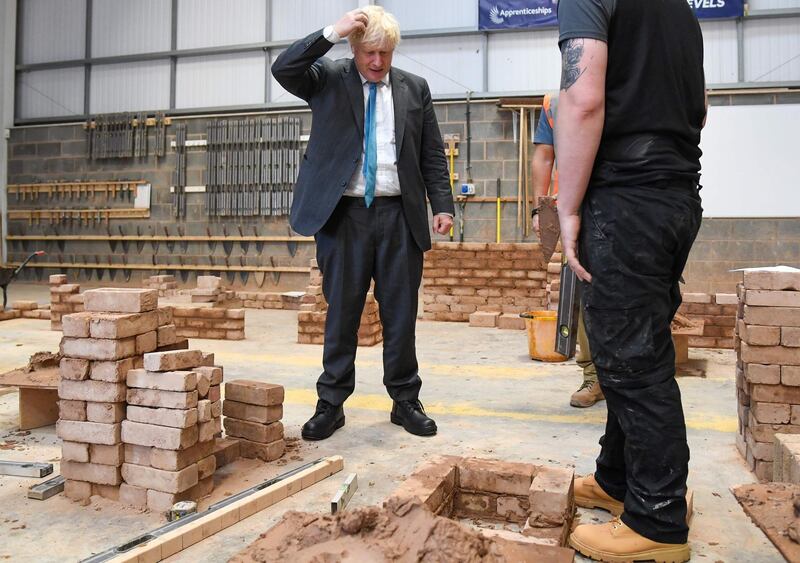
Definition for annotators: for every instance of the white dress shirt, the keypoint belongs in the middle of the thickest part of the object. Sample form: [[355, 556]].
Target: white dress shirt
[[387, 182]]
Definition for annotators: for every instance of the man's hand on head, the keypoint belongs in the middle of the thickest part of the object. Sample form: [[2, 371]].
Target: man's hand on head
[[354, 20], [442, 223]]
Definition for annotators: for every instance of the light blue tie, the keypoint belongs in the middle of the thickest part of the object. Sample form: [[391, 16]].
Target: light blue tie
[[370, 167]]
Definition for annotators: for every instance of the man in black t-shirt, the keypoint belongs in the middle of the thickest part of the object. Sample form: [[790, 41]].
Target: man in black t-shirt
[[630, 114]]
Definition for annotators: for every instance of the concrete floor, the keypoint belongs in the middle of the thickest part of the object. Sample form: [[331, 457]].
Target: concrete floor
[[489, 400]]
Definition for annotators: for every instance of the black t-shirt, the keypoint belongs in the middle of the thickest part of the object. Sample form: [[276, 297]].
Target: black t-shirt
[[655, 87]]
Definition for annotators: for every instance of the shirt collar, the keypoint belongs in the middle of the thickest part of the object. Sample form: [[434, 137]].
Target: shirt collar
[[384, 80]]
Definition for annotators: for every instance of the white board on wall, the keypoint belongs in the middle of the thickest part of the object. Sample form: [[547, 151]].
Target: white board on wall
[[751, 161]]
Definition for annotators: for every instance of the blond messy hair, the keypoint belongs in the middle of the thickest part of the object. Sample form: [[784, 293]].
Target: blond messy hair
[[382, 29]]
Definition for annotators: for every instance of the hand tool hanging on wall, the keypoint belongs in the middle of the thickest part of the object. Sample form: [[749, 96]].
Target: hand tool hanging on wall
[[251, 166], [179, 179], [244, 275], [112, 272], [161, 137], [170, 241]]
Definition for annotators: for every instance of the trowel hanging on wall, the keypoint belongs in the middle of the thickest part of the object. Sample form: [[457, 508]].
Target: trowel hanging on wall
[[549, 227]]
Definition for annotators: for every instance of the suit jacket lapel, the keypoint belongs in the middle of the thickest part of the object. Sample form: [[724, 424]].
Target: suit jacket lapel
[[400, 102], [355, 89]]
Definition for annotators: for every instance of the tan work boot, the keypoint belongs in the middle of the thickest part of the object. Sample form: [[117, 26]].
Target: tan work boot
[[588, 494], [588, 394], [617, 543]]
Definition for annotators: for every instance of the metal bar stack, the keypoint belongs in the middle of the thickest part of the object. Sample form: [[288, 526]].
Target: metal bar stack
[[251, 166]]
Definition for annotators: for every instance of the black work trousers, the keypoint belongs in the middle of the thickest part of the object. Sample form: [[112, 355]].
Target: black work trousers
[[635, 242], [356, 245]]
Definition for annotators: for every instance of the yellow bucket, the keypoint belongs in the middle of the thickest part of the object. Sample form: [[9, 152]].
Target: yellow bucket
[[541, 327]]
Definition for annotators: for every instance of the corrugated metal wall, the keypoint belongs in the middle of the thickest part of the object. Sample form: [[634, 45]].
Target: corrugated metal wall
[[426, 14], [517, 61], [51, 30], [211, 23], [122, 27]]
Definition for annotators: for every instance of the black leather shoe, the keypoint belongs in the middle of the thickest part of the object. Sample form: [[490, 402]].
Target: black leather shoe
[[326, 420], [411, 416]]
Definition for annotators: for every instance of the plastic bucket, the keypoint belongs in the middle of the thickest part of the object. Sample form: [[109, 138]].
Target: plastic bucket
[[541, 327]]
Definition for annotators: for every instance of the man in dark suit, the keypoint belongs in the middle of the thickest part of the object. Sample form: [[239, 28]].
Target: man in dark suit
[[373, 155]]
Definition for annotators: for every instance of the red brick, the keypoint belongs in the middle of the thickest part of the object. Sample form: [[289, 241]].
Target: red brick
[[89, 432], [226, 450], [776, 394], [162, 437], [759, 373], [164, 381], [98, 391], [72, 410], [91, 472], [206, 467], [76, 325], [158, 501], [771, 413], [550, 497], [163, 399], [772, 316], [496, 476], [174, 418], [172, 361], [253, 431], [772, 280], [57, 279], [254, 392], [790, 336], [107, 455], [98, 349], [511, 321], [107, 413], [790, 375], [147, 342], [120, 300], [133, 496], [770, 355], [264, 452], [214, 393], [761, 335], [160, 480], [75, 451], [74, 369], [113, 372], [77, 490]]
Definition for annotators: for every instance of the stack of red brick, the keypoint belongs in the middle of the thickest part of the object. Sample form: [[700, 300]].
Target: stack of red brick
[[166, 285], [172, 419], [463, 278], [98, 349], [718, 313], [209, 322], [25, 310], [290, 300], [210, 290], [253, 412], [314, 311], [768, 364], [65, 298], [554, 278]]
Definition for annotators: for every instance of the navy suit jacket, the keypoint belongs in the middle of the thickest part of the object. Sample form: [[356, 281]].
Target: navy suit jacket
[[335, 94]]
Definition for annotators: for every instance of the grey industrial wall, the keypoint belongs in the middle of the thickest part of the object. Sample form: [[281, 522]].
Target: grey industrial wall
[[58, 152]]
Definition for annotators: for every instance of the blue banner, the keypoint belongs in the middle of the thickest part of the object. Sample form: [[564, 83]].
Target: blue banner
[[711, 9], [515, 14]]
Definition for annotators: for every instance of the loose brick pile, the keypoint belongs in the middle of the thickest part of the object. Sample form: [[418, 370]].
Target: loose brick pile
[[290, 300], [210, 290], [173, 416], [464, 278], [65, 298], [209, 322], [25, 310], [537, 498], [314, 311], [767, 343], [253, 412], [98, 348], [166, 285], [718, 313]]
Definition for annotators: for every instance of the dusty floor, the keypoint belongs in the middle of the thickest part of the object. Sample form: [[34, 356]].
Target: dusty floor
[[489, 399]]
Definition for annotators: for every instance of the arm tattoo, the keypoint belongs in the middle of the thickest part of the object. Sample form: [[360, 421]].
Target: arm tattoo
[[571, 55]]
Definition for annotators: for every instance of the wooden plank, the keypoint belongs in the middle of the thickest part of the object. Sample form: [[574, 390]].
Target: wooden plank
[[47, 378], [37, 407], [173, 542]]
